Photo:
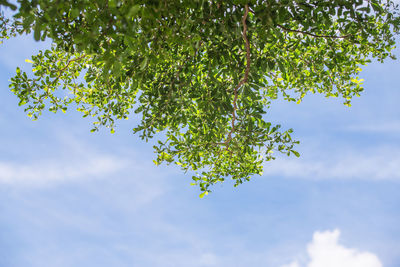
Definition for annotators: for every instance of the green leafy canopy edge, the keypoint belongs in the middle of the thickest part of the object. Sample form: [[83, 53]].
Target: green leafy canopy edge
[[201, 74]]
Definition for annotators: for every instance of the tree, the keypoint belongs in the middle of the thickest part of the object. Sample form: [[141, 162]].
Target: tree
[[200, 73]]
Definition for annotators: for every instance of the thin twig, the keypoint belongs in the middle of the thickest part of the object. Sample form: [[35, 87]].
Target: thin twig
[[66, 66]]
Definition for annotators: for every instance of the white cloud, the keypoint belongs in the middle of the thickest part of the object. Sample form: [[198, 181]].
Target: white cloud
[[50, 170], [388, 127], [71, 159], [325, 251], [375, 164], [293, 264]]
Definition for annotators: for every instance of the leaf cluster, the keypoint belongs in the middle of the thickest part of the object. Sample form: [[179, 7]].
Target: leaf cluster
[[200, 74]]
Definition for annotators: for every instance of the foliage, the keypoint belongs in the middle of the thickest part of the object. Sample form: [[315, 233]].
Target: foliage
[[200, 73]]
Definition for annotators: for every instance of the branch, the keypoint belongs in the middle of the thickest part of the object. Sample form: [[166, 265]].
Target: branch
[[59, 75], [245, 78], [72, 60], [314, 35], [66, 66]]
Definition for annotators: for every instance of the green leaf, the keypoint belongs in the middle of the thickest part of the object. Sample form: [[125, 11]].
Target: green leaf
[[133, 11], [203, 194], [74, 13], [297, 154], [36, 33], [143, 65]]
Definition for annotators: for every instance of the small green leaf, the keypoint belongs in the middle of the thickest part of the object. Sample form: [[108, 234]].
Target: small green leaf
[[36, 34], [134, 11], [74, 13], [203, 194], [144, 63]]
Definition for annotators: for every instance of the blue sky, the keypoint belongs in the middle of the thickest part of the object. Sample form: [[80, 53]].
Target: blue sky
[[69, 197]]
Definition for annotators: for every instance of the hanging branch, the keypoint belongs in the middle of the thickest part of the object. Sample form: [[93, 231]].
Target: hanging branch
[[245, 78]]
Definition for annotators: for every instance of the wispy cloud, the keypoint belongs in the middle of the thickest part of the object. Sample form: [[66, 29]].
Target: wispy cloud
[[387, 127], [50, 171], [293, 264], [375, 164], [325, 251]]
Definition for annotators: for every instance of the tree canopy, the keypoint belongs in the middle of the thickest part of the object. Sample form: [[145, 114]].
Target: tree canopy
[[200, 74]]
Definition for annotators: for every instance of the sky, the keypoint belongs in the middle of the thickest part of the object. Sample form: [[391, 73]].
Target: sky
[[69, 197]]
